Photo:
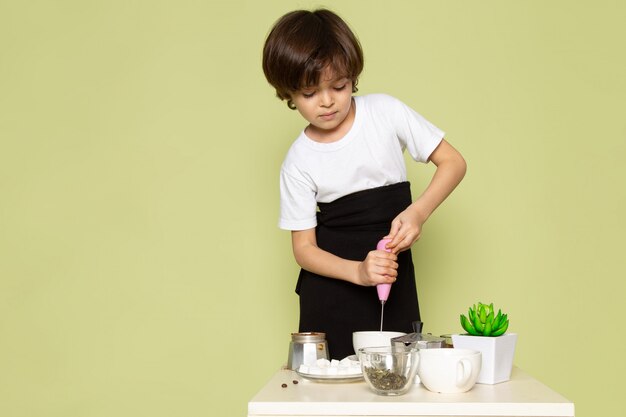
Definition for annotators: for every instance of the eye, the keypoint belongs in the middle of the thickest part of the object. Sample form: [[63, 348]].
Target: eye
[[307, 94], [341, 87]]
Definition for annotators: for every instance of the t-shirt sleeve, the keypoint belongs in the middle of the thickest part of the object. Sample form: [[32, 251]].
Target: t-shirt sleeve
[[416, 134], [297, 203]]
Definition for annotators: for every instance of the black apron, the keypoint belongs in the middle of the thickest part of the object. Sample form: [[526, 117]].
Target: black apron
[[350, 227]]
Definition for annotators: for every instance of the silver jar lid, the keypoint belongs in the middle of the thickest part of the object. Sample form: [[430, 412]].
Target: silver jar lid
[[308, 337]]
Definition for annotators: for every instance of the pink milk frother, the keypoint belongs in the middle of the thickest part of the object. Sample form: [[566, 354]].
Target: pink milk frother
[[383, 289]]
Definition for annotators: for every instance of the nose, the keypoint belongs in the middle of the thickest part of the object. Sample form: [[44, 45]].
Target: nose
[[326, 98]]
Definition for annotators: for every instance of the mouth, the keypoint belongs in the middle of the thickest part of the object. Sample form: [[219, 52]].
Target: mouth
[[328, 116]]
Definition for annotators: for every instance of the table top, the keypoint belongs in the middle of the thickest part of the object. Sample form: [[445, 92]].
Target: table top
[[522, 395]]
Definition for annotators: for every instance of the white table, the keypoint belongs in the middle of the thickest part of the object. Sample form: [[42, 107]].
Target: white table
[[521, 396]]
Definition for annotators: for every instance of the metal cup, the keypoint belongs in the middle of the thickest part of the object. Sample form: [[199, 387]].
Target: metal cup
[[306, 348]]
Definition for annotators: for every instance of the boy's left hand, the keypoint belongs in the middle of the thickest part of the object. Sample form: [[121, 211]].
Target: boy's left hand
[[406, 229]]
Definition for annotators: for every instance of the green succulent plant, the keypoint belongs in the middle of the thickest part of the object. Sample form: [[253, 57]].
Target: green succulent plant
[[482, 321]]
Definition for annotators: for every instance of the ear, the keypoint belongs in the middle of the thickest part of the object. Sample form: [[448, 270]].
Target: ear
[[286, 97]]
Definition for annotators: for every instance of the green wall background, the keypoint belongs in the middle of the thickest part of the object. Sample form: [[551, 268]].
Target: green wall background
[[141, 268]]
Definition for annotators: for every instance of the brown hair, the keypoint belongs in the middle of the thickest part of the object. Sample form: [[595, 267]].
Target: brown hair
[[302, 44]]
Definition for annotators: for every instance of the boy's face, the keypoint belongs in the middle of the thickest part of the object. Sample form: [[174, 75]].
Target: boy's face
[[327, 107]]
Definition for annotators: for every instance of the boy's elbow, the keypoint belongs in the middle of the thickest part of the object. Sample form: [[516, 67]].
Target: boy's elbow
[[462, 166], [456, 164], [301, 242], [299, 258]]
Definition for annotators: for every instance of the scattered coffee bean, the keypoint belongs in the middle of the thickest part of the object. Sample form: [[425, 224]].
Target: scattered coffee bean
[[284, 385], [295, 381]]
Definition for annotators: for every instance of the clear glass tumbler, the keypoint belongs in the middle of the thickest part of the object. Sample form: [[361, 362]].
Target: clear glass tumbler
[[389, 370]]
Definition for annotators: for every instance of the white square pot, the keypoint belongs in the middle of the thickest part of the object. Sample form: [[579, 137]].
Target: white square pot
[[497, 355]]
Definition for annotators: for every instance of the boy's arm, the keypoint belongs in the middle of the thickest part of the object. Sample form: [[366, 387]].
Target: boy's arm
[[407, 226], [378, 267]]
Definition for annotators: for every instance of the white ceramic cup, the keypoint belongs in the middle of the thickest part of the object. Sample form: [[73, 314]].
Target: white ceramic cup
[[449, 370], [373, 338]]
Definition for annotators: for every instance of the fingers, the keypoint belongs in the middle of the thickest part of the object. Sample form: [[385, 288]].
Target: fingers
[[384, 261], [396, 225], [401, 241], [386, 267], [402, 236], [403, 230], [404, 242], [379, 267]]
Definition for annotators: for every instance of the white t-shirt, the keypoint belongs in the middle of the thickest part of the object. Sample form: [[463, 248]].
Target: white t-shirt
[[368, 156]]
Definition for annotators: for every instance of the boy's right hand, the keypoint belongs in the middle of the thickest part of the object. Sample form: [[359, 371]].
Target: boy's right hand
[[379, 267]]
